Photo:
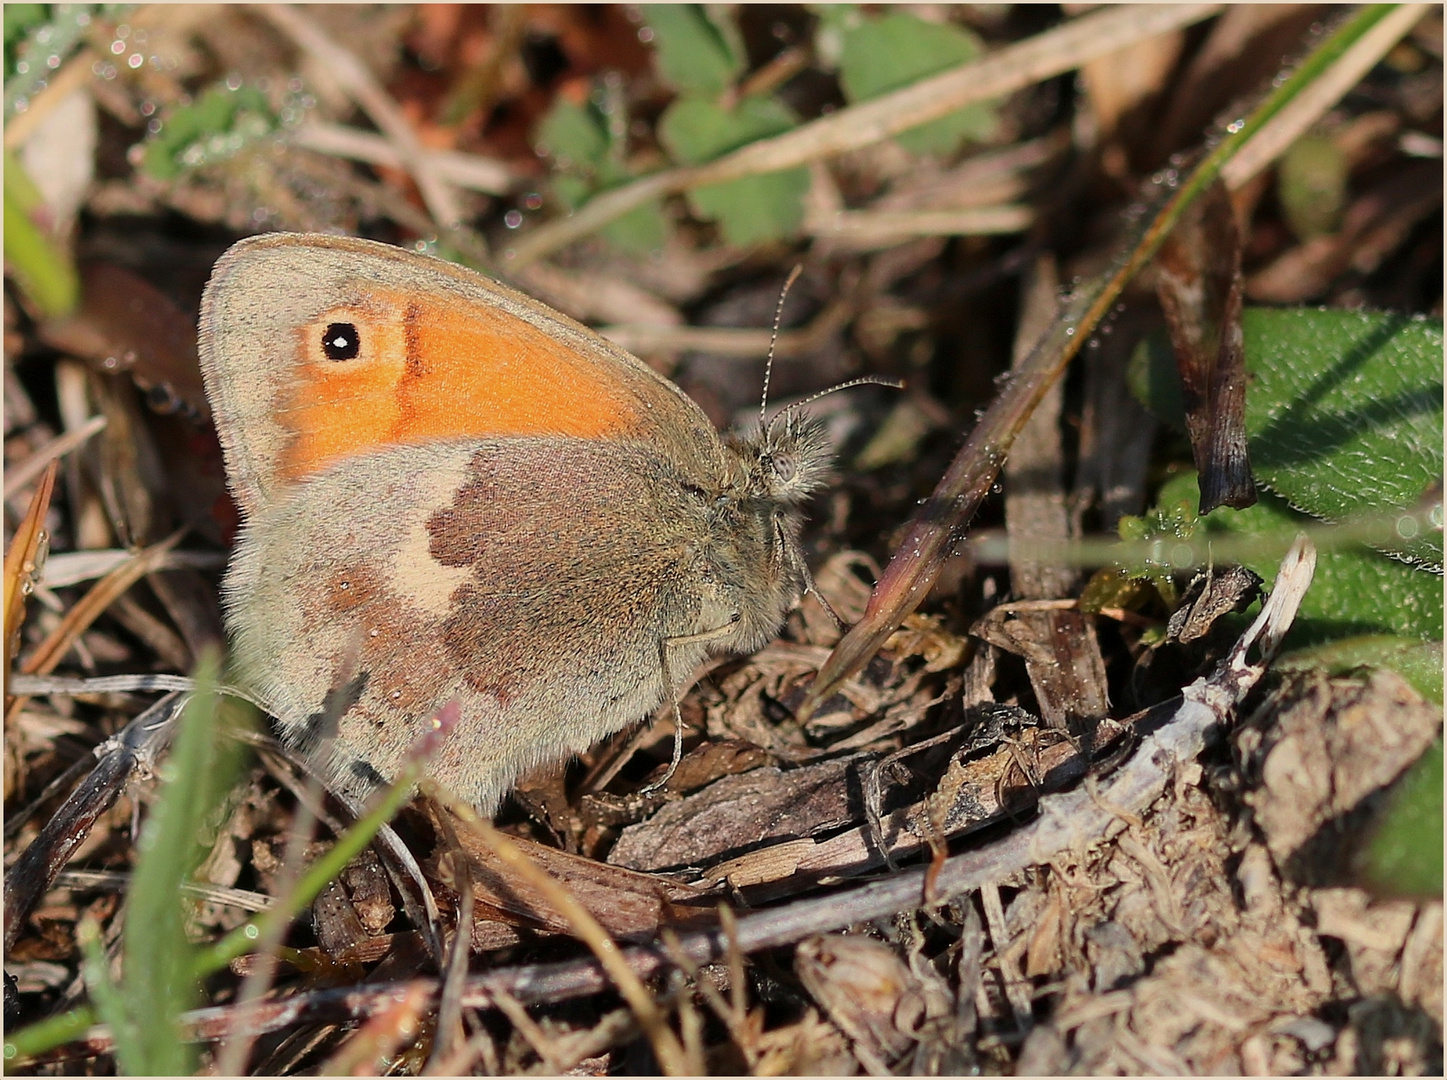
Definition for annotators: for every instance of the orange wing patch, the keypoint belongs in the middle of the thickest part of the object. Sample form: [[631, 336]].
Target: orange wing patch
[[392, 369]]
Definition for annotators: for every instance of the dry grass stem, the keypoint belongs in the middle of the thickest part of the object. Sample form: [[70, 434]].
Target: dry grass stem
[[464, 170], [89, 608], [672, 1057], [883, 227], [1307, 108], [19, 477], [358, 83], [1012, 68]]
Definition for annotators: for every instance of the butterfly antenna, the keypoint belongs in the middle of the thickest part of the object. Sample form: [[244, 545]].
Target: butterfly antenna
[[774, 338], [863, 380]]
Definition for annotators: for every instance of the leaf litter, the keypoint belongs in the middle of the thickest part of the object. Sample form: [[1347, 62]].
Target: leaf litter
[[966, 858]]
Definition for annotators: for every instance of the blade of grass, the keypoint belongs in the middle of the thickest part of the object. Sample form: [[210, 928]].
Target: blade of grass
[[43, 270], [1307, 107], [52, 650], [110, 1000], [159, 983]]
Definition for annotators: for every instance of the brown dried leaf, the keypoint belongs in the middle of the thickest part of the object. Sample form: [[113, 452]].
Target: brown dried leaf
[[1199, 283], [126, 324], [624, 902], [1209, 597], [1062, 657], [739, 812]]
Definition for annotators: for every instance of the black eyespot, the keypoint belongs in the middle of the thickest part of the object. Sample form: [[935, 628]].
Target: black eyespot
[[341, 341]]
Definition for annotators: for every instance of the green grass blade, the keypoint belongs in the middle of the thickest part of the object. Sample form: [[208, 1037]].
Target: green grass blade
[[159, 960]]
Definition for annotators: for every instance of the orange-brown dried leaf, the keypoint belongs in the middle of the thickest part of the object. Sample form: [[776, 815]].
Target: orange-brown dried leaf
[[24, 558], [90, 607]]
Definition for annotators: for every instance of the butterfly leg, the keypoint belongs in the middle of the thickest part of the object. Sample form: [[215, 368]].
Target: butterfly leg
[[810, 587], [702, 638]]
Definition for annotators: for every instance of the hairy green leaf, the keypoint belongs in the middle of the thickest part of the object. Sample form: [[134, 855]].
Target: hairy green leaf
[[1356, 590], [1344, 413]]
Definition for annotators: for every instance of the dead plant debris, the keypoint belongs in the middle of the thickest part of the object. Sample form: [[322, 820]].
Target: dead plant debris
[[1015, 840]]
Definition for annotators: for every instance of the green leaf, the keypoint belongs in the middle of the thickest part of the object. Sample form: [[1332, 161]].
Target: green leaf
[[1153, 380], [1403, 854], [586, 162], [574, 136], [213, 128], [897, 49], [577, 139], [1344, 413], [755, 208], [20, 19], [694, 53], [639, 231], [111, 1003], [695, 130], [50, 36], [1356, 590], [41, 268], [572, 191], [1173, 518]]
